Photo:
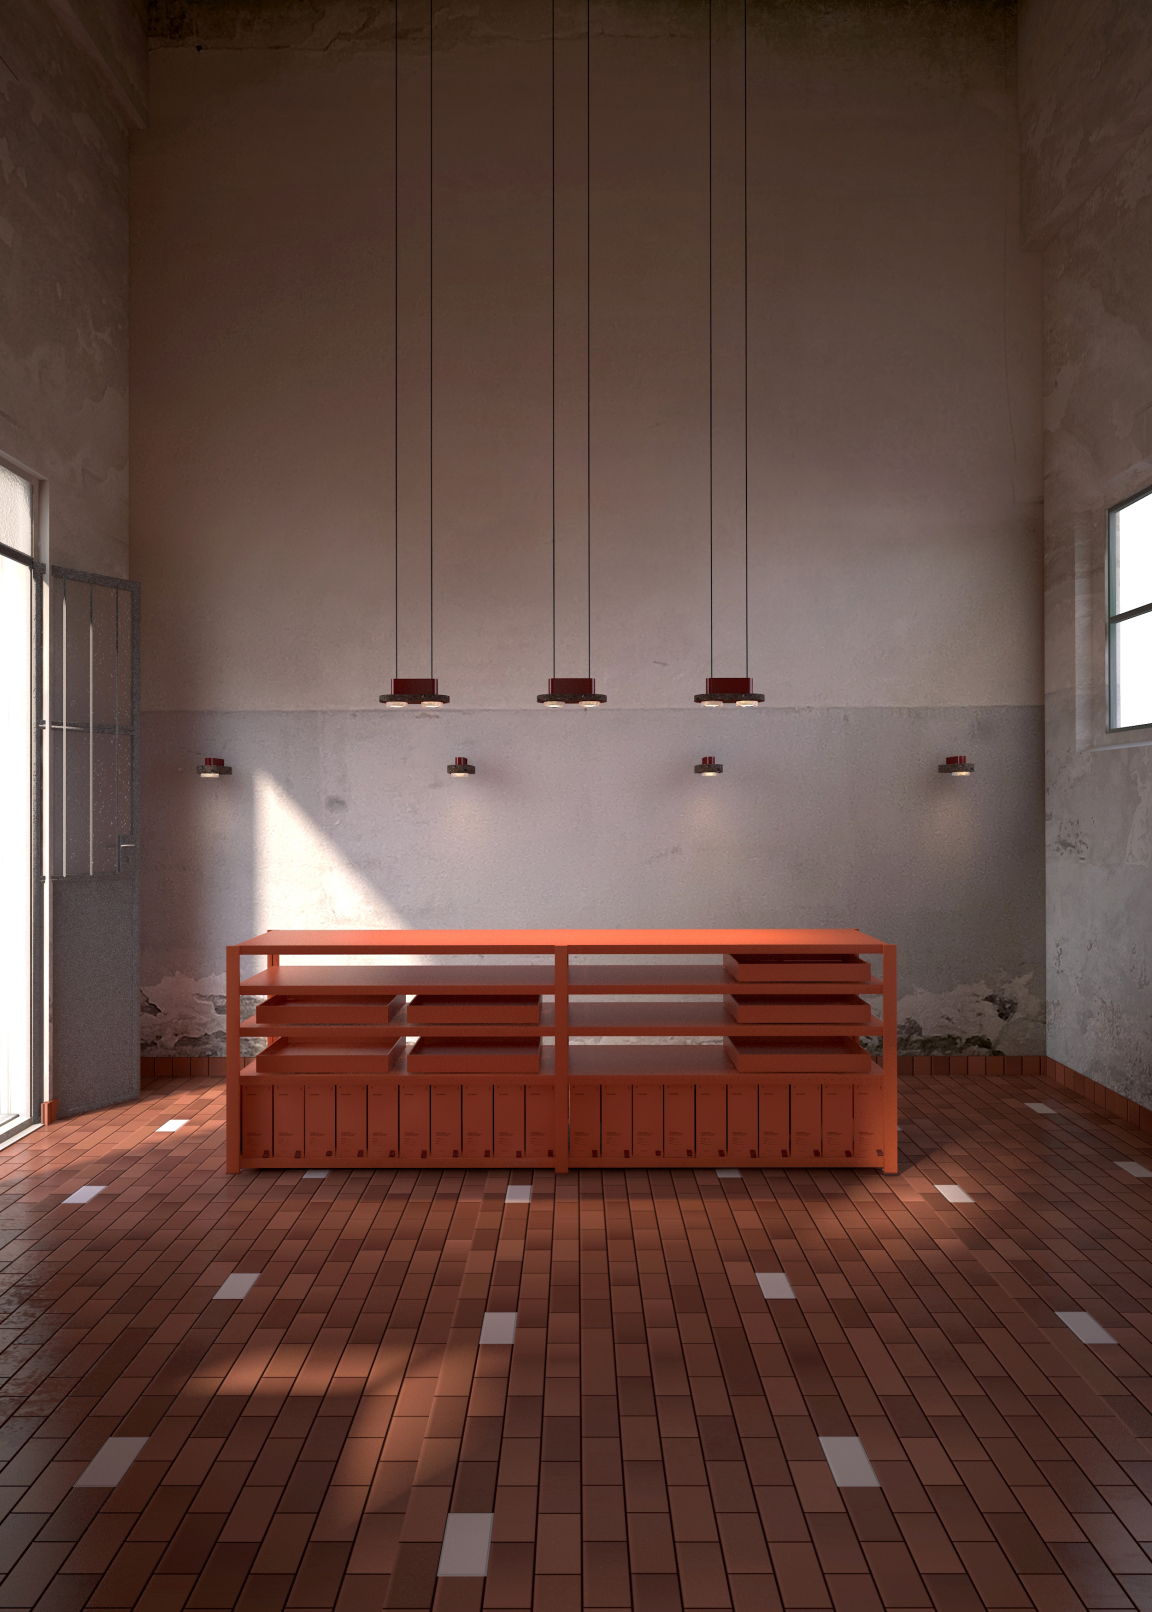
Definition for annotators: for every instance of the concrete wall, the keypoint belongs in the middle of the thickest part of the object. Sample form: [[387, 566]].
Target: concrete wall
[[894, 482], [1086, 112], [72, 79]]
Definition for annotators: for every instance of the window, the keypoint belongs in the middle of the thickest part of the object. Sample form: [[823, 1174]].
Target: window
[[1130, 613]]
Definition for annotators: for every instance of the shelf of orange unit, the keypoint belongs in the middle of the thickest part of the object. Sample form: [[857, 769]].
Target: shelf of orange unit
[[331, 1008], [369, 979], [677, 1064], [691, 979], [688, 1019], [490, 1031]]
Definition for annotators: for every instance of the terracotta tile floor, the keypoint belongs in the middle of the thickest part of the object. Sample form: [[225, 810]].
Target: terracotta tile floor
[[652, 1439]]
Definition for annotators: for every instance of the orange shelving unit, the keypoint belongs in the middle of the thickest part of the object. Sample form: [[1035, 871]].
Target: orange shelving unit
[[605, 1048]]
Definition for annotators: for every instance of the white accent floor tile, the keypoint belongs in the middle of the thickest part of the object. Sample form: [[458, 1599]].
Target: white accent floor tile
[[1040, 1108], [1085, 1328], [83, 1194], [238, 1285], [775, 1285], [1131, 1165], [467, 1540], [953, 1194], [728, 1175], [499, 1326], [110, 1463], [513, 1195], [850, 1466], [315, 1175], [171, 1125]]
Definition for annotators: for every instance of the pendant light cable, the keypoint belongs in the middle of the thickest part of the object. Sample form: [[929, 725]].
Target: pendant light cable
[[431, 344], [396, 335], [588, 299], [553, 338], [711, 422], [747, 661]]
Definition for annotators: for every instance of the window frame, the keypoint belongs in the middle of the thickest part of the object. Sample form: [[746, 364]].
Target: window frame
[[1113, 620]]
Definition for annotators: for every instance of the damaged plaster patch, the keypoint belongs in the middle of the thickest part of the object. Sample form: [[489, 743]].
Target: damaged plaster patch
[[184, 1018], [1007, 1017]]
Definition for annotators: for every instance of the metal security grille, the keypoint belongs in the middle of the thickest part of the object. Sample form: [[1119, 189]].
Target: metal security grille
[[94, 640]]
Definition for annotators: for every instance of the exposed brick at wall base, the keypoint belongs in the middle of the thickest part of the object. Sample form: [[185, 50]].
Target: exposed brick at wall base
[[182, 1068], [1104, 1098]]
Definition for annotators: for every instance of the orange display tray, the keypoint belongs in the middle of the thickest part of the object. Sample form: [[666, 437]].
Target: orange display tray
[[335, 1009], [377, 979], [798, 1010], [751, 967], [772, 1055], [292, 1057], [514, 1055], [474, 1010]]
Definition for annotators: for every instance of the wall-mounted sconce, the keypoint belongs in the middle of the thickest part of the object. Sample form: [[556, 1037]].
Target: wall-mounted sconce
[[214, 768], [572, 691], [413, 691], [460, 768], [709, 767], [958, 766], [729, 691]]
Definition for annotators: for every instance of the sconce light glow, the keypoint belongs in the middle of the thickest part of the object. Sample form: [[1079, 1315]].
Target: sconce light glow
[[413, 691], [729, 691], [460, 768], [709, 767], [214, 768], [958, 766], [572, 691]]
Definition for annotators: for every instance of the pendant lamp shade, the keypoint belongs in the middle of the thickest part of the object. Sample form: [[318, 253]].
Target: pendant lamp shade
[[572, 691], [729, 691], [413, 691]]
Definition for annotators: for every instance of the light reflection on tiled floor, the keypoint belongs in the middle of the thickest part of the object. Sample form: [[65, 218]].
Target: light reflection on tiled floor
[[651, 1439]]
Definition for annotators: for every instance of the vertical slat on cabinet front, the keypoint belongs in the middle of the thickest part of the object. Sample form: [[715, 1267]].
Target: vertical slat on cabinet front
[[508, 1122], [648, 1122], [743, 1123], [383, 1120], [616, 1121], [476, 1104], [805, 1122], [257, 1122], [288, 1114], [711, 1122], [540, 1121], [775, 1123], [836, 1122], [868, 1123], [445, 1122], [351, 1121], [320, 1119], [679, 1122], [414, 1122], [585, 1112]]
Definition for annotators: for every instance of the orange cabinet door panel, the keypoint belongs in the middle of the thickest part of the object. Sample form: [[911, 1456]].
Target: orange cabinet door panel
[[647, 1122], [414, 1122], [476, 1103], [868, 1122], [806, 1130], [256, 1129], [383, 1120], [743, 1123], [836, 1122], [445, 1120], [585, 1122], [775, 1123], [288, 1113], [540, 1122], [711, 1122], [351, 1121], [616, 1122], [508, 1122], [679, 1122], [320, 1119]]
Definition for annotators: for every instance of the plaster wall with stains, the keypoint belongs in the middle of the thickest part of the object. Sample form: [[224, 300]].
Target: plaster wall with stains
[[893, 485], [73, 79], [1087, 120]]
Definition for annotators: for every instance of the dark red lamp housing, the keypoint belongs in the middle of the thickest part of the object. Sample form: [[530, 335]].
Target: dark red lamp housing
[[729, 691], [958, 766], [214, 768], [460, 768], [709, 767], [413, 691], [572, 691]]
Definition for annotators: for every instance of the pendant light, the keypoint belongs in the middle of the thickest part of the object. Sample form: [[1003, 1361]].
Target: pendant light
[[958, 766], [406, 691], [460, 768], [726, 690], [709, 767], [573, 691]]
